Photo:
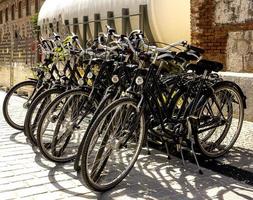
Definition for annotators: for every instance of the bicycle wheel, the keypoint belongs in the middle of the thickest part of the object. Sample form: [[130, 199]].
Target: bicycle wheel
[[35, 111], [63, 124], [17, 102], [220, 121], [112, 145]]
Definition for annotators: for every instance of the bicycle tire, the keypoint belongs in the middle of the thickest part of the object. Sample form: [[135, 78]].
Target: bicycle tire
[[44, 116], [84, 169], [28, 126], [202, 147]]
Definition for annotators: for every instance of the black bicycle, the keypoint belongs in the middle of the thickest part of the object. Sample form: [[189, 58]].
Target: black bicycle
[[116, 137]]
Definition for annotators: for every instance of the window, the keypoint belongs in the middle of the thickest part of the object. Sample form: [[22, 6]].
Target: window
[[36, 6], [12, 12], [28, 8], [20, 9], [6, 15], [1, 17]]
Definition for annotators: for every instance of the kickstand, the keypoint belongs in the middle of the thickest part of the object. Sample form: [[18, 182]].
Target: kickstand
[[192, 122], [147, 145], [195, 157], [167, 150], [182, 155]]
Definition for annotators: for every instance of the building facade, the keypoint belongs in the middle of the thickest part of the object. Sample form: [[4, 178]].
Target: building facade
[[224, 28], [17, 39]]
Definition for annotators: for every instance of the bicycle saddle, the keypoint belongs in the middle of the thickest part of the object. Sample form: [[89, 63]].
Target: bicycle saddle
[[203, 65]]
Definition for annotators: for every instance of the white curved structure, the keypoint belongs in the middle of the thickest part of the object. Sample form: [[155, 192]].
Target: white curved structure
[[169, 20]]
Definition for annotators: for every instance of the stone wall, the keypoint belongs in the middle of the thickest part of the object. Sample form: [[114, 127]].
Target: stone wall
[[245, 80], [233, 11], [240, 51], [223, 29]]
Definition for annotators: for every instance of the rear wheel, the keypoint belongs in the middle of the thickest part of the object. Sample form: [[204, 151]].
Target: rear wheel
[[220, 121], [112, 145]]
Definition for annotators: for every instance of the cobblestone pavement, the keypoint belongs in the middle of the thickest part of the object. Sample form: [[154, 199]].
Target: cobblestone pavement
[[26, 175]]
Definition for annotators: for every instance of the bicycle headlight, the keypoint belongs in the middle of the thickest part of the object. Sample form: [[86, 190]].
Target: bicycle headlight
[[80, 82], [139, 80], [48, 76], [89, 75], [115, 79], [61, 74]]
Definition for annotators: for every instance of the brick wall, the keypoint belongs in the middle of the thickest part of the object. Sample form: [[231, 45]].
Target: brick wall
[[212, 24], [17, 38]]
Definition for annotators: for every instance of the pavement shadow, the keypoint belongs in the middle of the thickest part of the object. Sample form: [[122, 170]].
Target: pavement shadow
[[170, 180], [59, 174], [153, 177], [239, 157], [18, 137]]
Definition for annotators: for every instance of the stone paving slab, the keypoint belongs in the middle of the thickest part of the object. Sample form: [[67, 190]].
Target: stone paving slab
[[25, 174], [241, 155]]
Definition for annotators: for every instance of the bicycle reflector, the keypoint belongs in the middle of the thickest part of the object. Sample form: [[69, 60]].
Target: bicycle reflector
[[89, 75], [48, 76], [80, 82]]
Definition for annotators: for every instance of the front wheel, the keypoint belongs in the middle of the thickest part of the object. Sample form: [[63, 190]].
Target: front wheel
[[35, 111], [112, 145], [62, 125], [17, 102], [105, 101]]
